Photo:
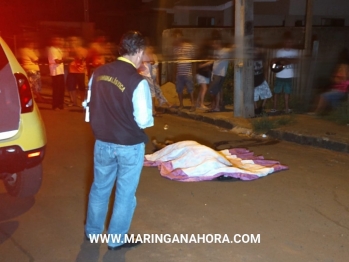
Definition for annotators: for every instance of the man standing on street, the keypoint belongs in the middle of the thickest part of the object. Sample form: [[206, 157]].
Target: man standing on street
[[288, 57], [184, 51], [120, 108], [55, 60], [219, 72]]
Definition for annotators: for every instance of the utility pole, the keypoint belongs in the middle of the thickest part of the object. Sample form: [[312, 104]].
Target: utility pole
[[243, 64], [309, 59]]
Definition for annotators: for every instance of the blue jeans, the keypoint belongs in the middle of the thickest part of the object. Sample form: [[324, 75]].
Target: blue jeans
[[334, 97], [216, 84], [120, 165], [183, 81]]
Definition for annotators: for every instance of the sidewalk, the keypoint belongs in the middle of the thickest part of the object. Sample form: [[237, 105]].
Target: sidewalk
[[305, 129]]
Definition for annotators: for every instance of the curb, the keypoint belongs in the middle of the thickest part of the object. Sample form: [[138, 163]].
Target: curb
[[321, 142], [192, 115], [209, 120]]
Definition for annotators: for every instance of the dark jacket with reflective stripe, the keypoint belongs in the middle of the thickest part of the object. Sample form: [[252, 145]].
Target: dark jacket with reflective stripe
[[111, 108]]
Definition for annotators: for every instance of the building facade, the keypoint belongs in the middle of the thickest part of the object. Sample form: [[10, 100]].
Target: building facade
[[220, 13]]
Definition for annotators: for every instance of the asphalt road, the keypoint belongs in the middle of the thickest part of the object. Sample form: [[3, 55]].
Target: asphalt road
[[301, 214]]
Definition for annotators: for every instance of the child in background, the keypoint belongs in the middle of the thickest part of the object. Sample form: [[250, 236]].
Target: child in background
[[261, 87]]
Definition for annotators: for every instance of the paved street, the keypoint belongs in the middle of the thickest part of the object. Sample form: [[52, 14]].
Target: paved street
[[301, 214]]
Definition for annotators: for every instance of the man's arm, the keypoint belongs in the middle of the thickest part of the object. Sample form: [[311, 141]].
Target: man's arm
[[205, 64], [58, 61], [142, 105]]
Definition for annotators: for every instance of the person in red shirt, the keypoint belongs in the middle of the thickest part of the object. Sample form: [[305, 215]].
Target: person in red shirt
[[338, 91]]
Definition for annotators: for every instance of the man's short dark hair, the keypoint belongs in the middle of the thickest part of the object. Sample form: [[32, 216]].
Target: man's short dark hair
[[131, 42]]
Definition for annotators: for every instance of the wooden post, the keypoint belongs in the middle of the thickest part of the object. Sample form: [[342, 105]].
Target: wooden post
[[243, 64], [309, 69], [308, 27]]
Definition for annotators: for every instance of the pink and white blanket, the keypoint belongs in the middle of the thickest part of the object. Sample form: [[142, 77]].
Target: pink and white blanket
[[189, 161]]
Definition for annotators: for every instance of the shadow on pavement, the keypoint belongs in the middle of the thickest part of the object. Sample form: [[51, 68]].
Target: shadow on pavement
[[11, 207], [7, 229], [90, 252], [117, 256]]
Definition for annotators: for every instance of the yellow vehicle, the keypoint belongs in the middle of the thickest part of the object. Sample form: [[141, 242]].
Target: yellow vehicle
[[22, 131]]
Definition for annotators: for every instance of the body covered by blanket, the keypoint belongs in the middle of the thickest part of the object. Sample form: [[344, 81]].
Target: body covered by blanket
[[190, 161]]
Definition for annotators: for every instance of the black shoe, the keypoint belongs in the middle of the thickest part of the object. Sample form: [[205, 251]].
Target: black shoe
[[126, 245], [132, 243], [258, 111]]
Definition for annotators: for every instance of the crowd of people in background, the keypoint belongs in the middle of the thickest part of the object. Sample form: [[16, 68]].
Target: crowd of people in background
[[71, 63]]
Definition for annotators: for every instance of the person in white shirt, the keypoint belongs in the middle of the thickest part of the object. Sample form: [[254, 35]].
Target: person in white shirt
[[287, 56], [219, 71], [55, 60]]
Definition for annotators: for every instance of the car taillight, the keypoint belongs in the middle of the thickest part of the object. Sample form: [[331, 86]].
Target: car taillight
[[34, 154], [25, 93]]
